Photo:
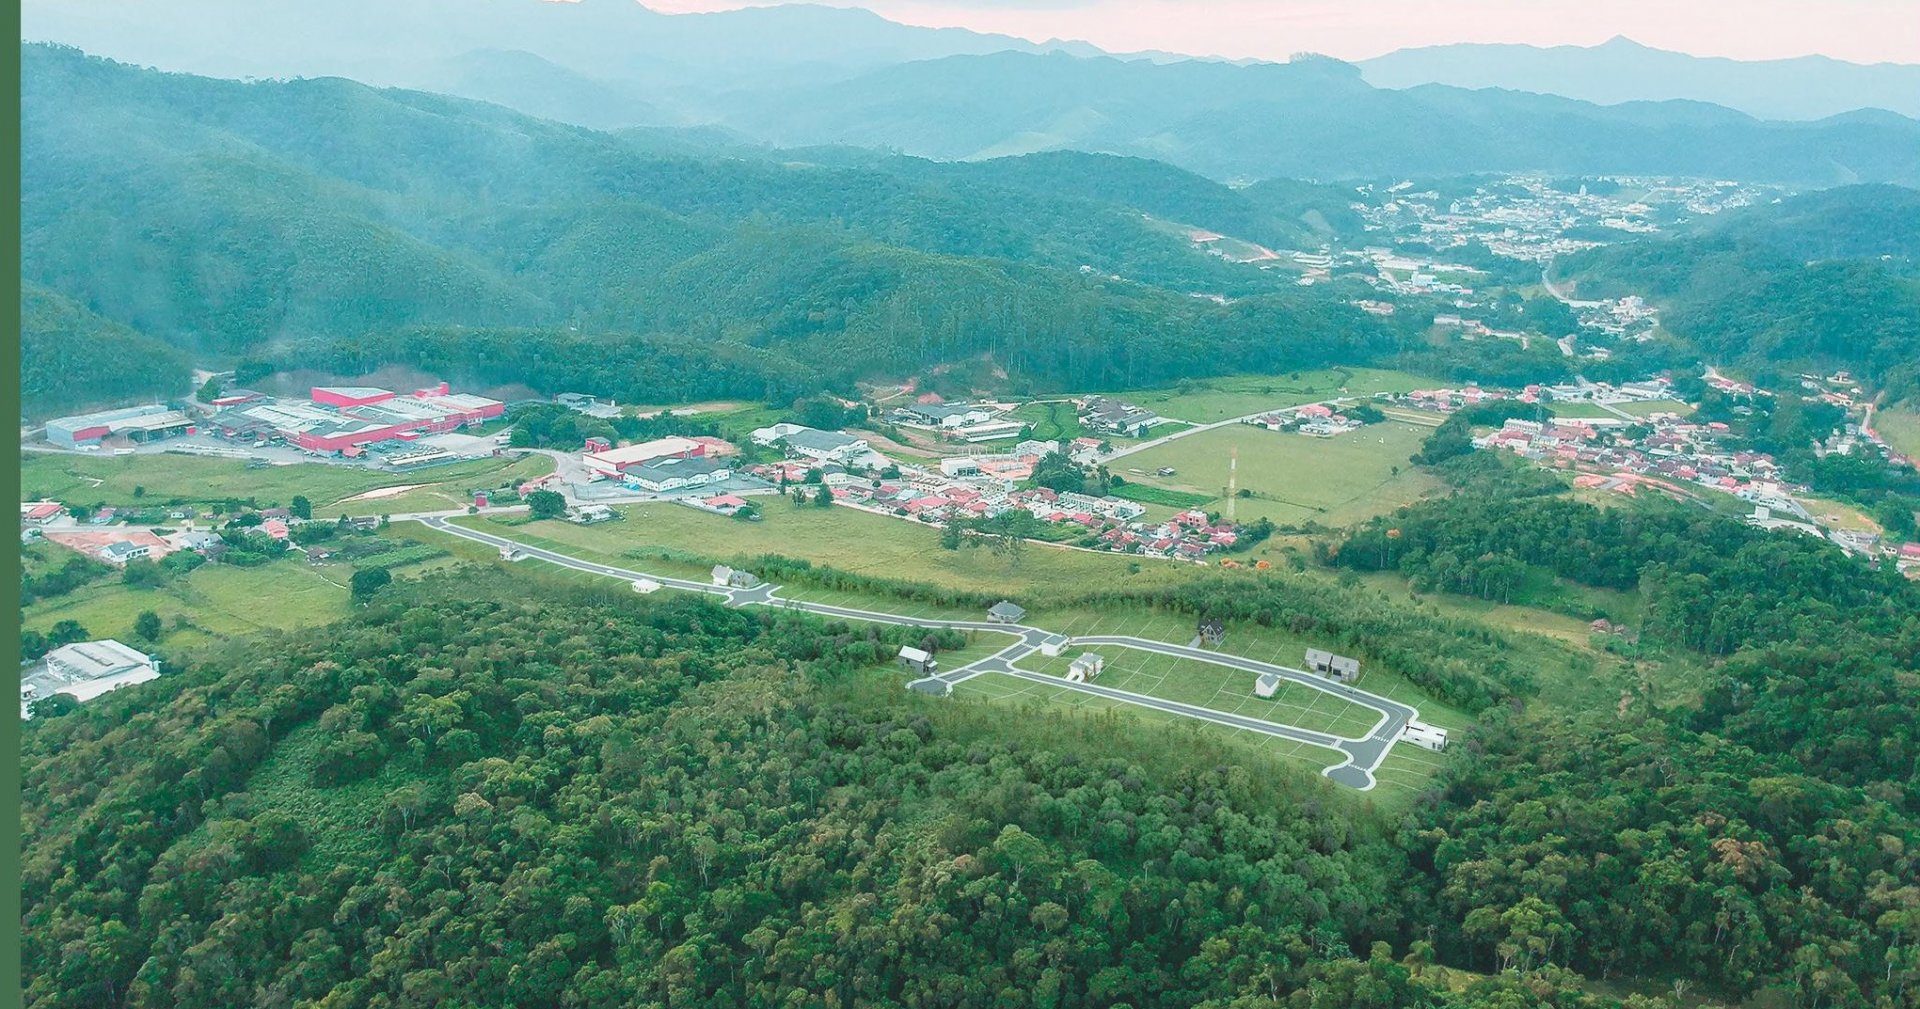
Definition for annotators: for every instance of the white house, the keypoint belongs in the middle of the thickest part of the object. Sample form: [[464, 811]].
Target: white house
[[1085, 668], [1429, 737], [1266, 685]]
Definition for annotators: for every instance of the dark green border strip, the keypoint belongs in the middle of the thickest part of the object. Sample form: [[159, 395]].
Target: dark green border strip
[[10, 923]]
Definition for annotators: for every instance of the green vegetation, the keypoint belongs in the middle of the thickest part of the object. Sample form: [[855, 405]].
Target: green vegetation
[[185, 479], [328, 761], [71, 358], [1210, 400], [1150, 494], [213, 601]]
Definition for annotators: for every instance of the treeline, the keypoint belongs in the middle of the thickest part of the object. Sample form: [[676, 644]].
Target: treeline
[[71, 358], [1707, 583], [472, 243], [550, 425]]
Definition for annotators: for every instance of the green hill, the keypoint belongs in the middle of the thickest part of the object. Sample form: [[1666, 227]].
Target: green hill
[[1822, 280], [71, 358], [324, 222]]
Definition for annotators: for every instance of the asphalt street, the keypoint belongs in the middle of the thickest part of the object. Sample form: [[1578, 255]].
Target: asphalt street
[[1363, 754]]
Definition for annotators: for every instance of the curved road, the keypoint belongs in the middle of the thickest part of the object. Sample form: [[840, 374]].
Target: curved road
[[1363, 754]]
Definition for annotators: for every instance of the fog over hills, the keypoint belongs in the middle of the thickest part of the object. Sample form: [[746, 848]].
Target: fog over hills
[[801, 75], [1622, 70]]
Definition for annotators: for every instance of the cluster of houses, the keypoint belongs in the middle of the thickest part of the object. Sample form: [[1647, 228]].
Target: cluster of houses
[[1675, 450], [1315, 420], [106, 534], [982, 491], [1448, 400]]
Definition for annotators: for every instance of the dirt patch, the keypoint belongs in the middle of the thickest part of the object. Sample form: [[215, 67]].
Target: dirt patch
[[385, 492], [89, 541]]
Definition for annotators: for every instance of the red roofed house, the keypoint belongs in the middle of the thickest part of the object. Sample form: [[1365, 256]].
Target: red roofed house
[[274, 528]]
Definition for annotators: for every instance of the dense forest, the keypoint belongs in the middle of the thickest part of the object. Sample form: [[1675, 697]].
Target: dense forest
[[71, 356], [466, 797]]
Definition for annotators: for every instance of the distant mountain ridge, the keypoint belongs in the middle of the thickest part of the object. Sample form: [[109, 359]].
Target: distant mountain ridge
[[1309, 118], [1622, 70], [953, 93]]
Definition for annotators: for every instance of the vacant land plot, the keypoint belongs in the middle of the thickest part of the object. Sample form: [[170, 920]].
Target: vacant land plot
[[218, 600], [997, 688], [164, 477], [1900, 426], [1266, 644], [1650, 407], [1203, 401], [1219, 688], [845, 538], [1291, 478], [452, 489]]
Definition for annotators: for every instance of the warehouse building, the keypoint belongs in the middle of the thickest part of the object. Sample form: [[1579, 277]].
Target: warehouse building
[[612, 463], [344, 419], [84, 671], [135, 423], [661, 475]]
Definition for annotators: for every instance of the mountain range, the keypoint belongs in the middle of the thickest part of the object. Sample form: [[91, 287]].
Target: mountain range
[[1622, 70], [808, 75], [330, 224]]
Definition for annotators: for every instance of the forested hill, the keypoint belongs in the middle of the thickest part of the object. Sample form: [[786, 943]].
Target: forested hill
[[468, 797], [340, 224], [1827, 280], [70, 356]]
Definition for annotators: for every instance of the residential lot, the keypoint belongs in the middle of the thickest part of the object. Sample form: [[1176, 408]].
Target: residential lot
[[1219, 688], [1294, 478]]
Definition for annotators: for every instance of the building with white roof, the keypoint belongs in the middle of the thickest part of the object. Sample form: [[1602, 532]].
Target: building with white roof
[[84, 671]]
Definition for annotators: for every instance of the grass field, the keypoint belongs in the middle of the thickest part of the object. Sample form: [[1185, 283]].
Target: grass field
[[1900, 426], [1203, 401], [168, 477], [1218, 688], [1293, 478], [219, 600], [995, 688], [845, 538], [1055, 420], [1651, 407]]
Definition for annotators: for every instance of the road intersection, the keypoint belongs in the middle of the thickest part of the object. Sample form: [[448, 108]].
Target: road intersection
[[1363, 754]]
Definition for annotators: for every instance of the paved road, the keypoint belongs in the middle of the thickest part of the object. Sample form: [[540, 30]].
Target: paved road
[[1363, 754]]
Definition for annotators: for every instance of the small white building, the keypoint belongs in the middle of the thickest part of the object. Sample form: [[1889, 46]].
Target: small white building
[[1086, 668], [1427, 737], [722, 575], [917, 660], [645, 586], [1053, 644], [1266, 685], [118, 554]]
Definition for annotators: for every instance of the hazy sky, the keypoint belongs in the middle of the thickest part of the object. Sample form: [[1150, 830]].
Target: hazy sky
[[1864, 31]]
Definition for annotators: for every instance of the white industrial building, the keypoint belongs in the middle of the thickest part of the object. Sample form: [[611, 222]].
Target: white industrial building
[[84, 671]]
